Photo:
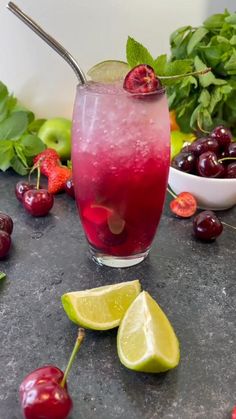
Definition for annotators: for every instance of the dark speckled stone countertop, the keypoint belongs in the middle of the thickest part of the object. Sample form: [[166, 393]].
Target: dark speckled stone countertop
[[195, 284]]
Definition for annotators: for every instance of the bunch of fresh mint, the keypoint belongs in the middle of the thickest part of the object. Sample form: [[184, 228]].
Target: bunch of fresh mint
[[206, 100], [18, 134]]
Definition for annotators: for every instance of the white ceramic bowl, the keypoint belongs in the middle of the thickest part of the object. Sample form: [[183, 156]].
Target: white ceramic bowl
[[210, 193]]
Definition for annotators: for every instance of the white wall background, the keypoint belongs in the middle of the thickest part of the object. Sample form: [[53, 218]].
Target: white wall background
[[92, 31]]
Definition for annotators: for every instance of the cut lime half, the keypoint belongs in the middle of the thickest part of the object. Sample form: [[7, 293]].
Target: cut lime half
[[108, 71], [100, 308], [146, 340]]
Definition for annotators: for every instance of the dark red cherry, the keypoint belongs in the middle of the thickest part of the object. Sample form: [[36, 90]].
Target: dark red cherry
[[5, 243], [22, 187], [6, 223], [223, 135], [206, 226], [38, 202], [184, 161], [141, 79], [230, 171], [69, 188], [231, 150], [42, 396], [209, 166], [201, 145]]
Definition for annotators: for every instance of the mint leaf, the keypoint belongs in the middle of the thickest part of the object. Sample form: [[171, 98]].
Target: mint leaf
[[179, 52], [233, 40], [6, 154], [159, 65], [216, 21], [18, 166], [205, 98], [21, 108], [3, 91], [230, 66], [207, 79], [2, 275], [137, 54], [3, 108], [32, 145], [19, 149], [14, 126], [175, 68], [196, 38], [178, 67], [177, 36], [231, 19]]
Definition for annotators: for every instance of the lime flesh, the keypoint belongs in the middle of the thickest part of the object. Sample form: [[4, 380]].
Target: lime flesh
[[146, 340], [100, 308], [108, 71]]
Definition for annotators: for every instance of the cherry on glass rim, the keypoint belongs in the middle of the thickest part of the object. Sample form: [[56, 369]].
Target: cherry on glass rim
[[184, 205], [141, 79]]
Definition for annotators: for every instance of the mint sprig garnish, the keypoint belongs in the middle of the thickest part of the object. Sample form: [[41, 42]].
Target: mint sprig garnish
[[168, 72], [205, 100], [19, 142]]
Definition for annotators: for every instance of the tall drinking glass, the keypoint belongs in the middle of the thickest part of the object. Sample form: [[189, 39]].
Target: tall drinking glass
[[120, 159]]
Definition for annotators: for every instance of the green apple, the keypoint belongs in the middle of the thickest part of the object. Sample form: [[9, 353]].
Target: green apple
[[178, 139], [56, 134]]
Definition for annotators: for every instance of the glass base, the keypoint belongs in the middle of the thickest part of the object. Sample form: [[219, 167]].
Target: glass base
[[117, 261]]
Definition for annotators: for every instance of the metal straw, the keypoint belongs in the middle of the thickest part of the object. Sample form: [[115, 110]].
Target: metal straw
[[49, 40]]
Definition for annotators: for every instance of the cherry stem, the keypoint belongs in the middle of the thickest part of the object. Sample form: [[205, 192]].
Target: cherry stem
[[171, 193], [79, 340], [192, 73], [38, 177], [200, 126], [227, 158], [35, 166], [228, 225]]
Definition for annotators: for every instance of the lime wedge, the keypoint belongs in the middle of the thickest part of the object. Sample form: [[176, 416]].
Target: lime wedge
[[146, 340], [108, 71], [100, 308], [178, 139]]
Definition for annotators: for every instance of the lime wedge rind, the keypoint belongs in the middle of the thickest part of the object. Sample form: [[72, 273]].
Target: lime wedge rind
[[100, 308], [108, 71]]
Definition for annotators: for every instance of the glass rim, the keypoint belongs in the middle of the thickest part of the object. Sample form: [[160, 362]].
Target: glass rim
[[157, 92]]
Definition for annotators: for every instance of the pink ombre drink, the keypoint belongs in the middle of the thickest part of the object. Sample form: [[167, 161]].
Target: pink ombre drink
[[120, 157]]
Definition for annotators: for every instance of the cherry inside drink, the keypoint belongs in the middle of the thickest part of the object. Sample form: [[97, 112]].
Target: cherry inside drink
[[120, 159]]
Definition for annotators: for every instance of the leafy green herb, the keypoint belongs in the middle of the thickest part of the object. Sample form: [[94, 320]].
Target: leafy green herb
[[2, 275], [19, 142], [205, 100], [211, 45]]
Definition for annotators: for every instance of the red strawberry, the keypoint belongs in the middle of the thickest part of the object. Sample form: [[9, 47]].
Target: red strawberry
[[57, 178], [141, 79], [184, 205], [48, 159]]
